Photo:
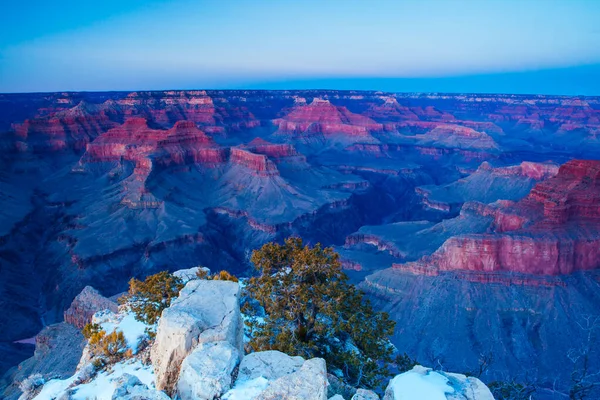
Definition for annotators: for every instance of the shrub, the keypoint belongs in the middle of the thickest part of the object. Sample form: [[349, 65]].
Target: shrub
[[202, 273], [109, 348], [90, 329], [149, 298], [224, 276], [311, 310]]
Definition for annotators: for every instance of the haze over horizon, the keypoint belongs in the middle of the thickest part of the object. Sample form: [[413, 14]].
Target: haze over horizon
[[404, 46]]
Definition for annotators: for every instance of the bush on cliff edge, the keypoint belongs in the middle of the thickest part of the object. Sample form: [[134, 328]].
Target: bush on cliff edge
[[308, 308], [147, 299]]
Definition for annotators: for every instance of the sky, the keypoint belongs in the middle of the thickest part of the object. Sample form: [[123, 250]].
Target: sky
[[491, 46]]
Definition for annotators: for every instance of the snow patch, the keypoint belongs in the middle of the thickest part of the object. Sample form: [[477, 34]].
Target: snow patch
[[101, 387], [421, 383], [247, 390], [124, 321]]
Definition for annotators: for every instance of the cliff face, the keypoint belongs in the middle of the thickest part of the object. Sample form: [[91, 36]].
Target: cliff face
[[322, 117], [554, 230]]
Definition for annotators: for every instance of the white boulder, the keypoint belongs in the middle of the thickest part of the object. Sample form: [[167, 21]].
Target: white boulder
[[307, 383], [337, 397], [424, 383], [271, 365], [206, 372], [364, 394], [205, 311]]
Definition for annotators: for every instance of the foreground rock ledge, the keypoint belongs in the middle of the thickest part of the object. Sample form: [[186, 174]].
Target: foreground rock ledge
[[204, 312]]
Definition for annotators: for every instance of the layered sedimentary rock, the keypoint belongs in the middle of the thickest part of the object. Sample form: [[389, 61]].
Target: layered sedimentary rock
[[85, 305], [554, 230], [71, 128], [322, 117], [258, 163]]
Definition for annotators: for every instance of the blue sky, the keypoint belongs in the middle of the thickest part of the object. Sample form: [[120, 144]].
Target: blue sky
[[518, 46]]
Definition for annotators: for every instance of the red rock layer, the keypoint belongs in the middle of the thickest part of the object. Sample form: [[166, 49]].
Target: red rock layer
[[75, 128], [323, 117], [85, 305], [258, 163], [554, 230], [261, 146]]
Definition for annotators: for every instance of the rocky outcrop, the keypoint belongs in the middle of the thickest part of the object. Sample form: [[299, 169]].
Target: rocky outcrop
[[307, 383], [322, 117], [85, 305], [71, 128], [206, 372], [554, 230], [258, 163], [195, 318], [363, 394], [271, 365], [273, 150], [424, 383]]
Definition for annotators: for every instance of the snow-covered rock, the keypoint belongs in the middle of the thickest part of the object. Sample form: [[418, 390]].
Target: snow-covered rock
[[129, 387], [308, 383], [270, 365], [190, 274], [206, 372], [337, 397], [101, 386], [424, 383], [364, 394], [205, 311]]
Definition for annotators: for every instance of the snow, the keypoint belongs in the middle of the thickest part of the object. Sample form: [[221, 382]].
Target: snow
[[102, 386], [132, 329], [247, 390], [420, 383], [54, 388]]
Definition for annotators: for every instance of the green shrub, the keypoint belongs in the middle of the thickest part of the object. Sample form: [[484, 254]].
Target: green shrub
[[109, 348], [308, 308], [149, 298]]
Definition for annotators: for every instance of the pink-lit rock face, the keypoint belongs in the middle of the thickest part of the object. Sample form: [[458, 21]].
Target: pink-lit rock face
[[72, 128], [322, 117], [554, 230], [258, 163]]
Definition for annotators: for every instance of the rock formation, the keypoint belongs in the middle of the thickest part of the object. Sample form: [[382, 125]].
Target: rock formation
[[425, 383], [194, 319], [85, 305], [557, 230]]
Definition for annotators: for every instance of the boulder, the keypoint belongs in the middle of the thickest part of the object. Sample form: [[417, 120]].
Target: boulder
[[337, 397], [85, 305], [424, 383], [338, 386], [205, 311], [206, 372], [363, 394], [189, 274], [271, 365], [308, 383], [129, 387]]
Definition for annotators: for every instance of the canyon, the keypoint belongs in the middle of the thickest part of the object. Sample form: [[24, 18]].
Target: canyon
[[474, 220]]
